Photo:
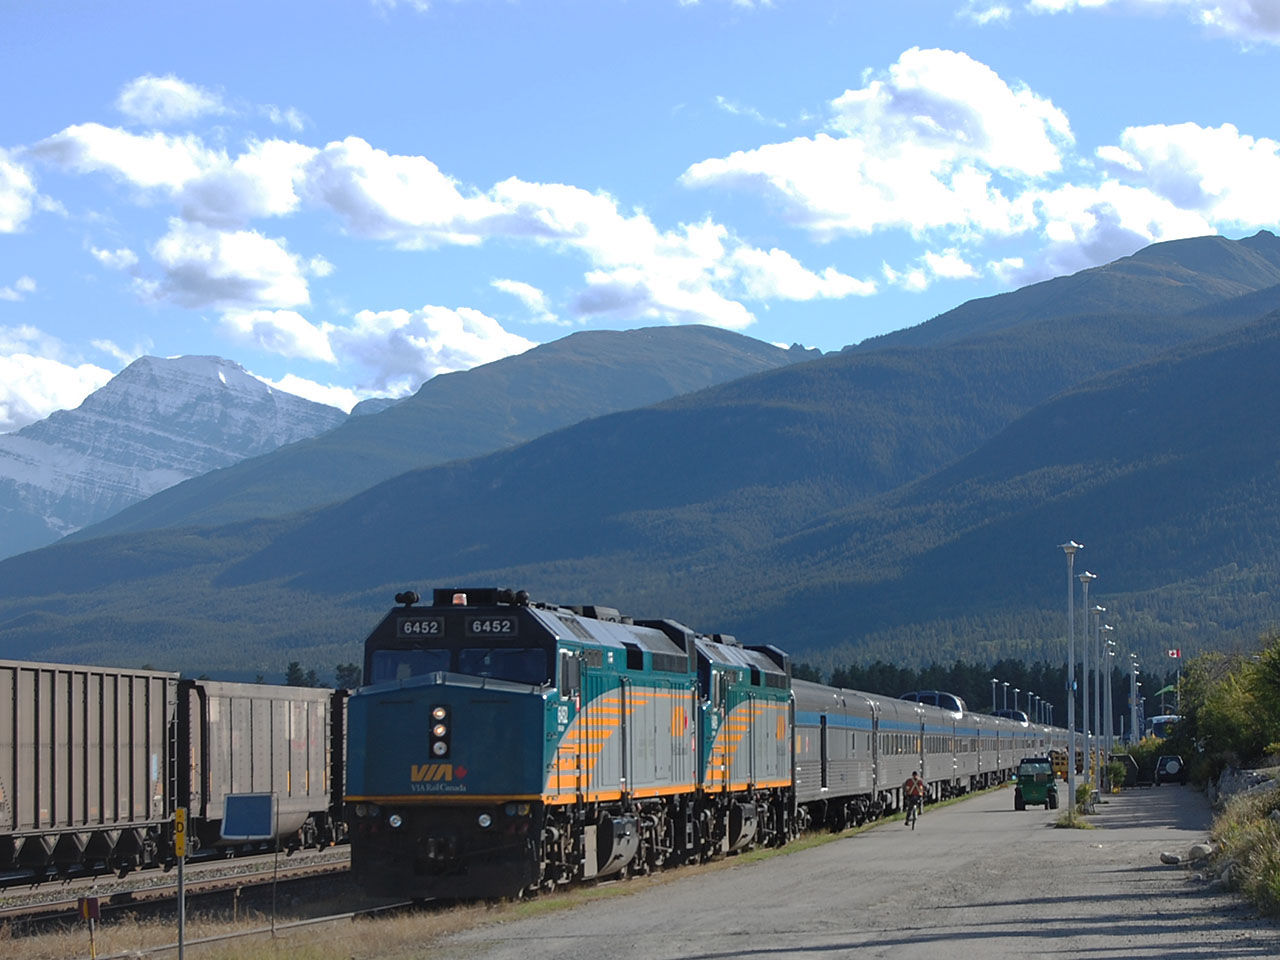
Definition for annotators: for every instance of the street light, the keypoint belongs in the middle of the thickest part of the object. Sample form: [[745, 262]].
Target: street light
[[1070, 548], [994, 681], [1098, 611], [1085, 579], [1006, 694], [1016, 691], [1111, 716], [1133, 698]]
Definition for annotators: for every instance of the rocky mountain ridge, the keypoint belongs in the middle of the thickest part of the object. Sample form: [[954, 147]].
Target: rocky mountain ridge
[[157, 423]]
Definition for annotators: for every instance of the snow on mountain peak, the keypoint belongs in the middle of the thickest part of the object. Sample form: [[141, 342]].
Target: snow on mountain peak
[[156, 423]]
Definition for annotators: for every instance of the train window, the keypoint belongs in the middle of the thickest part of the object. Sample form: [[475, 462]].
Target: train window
[[402, 664], [518, 664], [569, 673]]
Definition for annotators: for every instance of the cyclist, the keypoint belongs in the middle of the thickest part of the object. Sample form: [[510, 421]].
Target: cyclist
[[913, 796]]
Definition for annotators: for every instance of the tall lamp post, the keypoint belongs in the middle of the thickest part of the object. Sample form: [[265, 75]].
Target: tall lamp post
[[1085, 579], [1016, 691], [1070, 548], [1098, 611], [1006, 693], [1111, 716], [1133, 698], [994, 681]]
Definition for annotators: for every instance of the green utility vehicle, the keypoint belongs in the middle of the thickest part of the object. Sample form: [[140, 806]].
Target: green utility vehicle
[[1035, 784]]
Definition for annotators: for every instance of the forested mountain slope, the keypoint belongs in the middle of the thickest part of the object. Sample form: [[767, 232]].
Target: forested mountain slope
[[1164, 278], [464, 414]]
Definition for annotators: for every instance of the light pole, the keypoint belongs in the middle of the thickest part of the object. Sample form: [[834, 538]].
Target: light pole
[[1070, 548], [1016, 691], [1133, 698], [1085, 579], [994, 681], [1111, 716], [1098, 611], [1006, 694], [1031, 707]]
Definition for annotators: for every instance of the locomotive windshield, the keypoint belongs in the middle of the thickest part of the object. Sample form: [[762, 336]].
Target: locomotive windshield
[[400, 664], [496, 644], [519, 664]]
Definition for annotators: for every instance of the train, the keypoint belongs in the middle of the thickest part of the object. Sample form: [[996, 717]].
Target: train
[[500, 746], [95, 761], [497, 746]]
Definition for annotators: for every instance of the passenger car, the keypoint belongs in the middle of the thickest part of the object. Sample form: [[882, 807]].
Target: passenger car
[[1170, 769], [1035, 784]]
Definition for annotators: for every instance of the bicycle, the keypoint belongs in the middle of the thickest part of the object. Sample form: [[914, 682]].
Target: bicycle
[[913, 811]]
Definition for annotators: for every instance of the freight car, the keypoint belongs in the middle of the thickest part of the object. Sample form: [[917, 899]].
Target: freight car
[[94, 761], [501, 746]]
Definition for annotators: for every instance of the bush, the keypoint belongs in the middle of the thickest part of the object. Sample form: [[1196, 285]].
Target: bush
[[1116, 771], [1250, 840]]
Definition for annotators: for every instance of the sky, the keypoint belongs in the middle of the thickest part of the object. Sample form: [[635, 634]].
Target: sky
[[348, 197]]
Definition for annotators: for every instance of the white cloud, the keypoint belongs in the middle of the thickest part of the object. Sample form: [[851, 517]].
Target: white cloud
[[126, 357], [1217, 172], [288, 117], [777, 275], [402, 348], [162, 100], [1007, 270], [21, 287], [738, 110], [402, 199], [920, 150], [261, 182], [120, 259], [36, 379], [146, 160], [17, 193], [1250, 21], [344, 398], [205, 267], [637, 272], [534, 300], [1087, 225], [208, 185], [283, 332]]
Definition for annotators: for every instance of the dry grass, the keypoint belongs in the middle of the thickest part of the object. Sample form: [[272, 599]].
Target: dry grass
[[1249, 847]]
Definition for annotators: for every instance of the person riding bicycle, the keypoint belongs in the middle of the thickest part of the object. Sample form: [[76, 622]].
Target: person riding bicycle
[[913, 792]]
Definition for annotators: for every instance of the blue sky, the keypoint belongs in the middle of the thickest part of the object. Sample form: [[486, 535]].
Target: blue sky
[[350, 197]]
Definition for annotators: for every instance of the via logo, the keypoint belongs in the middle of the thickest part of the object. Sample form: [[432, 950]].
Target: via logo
[[431, 772]]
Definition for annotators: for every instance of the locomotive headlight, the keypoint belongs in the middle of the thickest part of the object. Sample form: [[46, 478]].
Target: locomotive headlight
[[395, 820], [484, 820], [439, 713], [362, 809], [439, 730], [509, 809], [439, 748]]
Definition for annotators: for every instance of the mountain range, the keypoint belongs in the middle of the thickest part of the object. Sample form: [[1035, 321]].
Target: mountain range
[[157, 423], [464, 414], [897, 499]]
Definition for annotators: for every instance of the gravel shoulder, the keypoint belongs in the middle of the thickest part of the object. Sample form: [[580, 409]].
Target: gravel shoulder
[[975, 879]]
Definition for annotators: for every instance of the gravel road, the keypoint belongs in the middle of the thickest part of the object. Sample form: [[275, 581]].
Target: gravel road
[[975, 879]]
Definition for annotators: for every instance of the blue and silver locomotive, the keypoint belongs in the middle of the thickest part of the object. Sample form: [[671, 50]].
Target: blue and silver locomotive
[[501, 745]]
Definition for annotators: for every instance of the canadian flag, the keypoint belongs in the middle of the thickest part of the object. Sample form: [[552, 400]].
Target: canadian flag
[[1176, 654]]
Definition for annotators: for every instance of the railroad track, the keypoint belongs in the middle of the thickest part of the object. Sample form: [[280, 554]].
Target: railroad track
[[35, 914]]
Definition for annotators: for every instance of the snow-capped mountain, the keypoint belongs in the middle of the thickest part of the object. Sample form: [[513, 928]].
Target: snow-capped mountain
[[157, 423]]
